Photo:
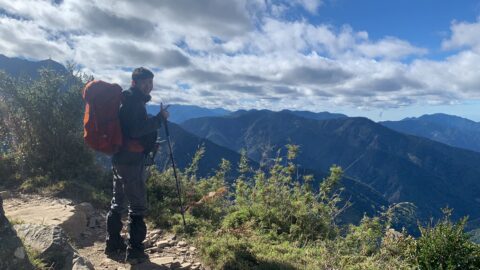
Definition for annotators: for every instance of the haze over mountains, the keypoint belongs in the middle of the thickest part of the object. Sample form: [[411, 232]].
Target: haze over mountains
[[384, 162]]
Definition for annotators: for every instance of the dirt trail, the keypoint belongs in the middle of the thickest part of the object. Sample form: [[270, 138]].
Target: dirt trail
[[86, 228]]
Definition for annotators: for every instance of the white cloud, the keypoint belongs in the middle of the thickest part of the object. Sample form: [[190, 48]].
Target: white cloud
[[389, 48], [27, 39], [310, 5], [464, 34], [241, 53]]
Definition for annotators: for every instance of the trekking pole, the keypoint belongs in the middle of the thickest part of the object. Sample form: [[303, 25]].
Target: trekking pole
[[175, 174]]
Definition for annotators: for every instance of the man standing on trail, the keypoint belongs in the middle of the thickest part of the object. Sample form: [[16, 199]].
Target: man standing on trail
[[139, 135]]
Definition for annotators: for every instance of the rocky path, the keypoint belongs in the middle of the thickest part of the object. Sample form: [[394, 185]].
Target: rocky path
[[85, 227]]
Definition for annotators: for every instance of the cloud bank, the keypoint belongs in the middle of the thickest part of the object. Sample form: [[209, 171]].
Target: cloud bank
[[242, 53]]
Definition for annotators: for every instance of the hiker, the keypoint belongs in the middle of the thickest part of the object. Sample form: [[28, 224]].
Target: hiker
[[129, 188]]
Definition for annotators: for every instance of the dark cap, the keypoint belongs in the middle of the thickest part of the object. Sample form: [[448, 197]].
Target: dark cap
[[141, 73]]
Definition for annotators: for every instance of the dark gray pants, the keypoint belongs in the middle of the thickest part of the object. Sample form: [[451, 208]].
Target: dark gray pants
[[129, 188]]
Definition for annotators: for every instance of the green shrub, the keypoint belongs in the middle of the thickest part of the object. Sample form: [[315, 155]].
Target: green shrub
[[164, 202], [446, 246], [364, 239], [35, 184], [9, 178], [281, 206], [41, 137], [43, 118], [269, 220], [227, 252]]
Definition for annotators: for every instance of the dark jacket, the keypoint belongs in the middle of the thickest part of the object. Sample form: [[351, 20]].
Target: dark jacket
[[137, 127]]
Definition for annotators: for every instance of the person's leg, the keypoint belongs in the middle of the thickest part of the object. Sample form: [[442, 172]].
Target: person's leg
[[114, 241], [136, 195]]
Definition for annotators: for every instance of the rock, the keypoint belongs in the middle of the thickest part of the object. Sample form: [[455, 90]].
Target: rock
[[170, 237], [192, 249], [80, 263], [106, 262], [89, 211], [182, 250], [163, 244], [73, 220], [175, 265], [19, 253], [5, 194], [163, 260], [155, 232], [12, 252], [52, 245], [151, 250], [153, 237], [93, 222], [185, 265], [76, 223], [86, 234], [147, 243], [182, 244], [87, 208]]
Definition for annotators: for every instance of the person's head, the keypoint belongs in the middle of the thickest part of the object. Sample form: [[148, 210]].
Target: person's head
[[142, 79]]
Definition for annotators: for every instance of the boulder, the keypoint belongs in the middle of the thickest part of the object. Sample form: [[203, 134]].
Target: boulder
[[52, 245], [12, 251], [182, 244], [72, 219], [163, 243], [80, 263]]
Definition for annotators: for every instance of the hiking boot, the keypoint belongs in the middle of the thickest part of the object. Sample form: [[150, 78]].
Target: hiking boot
[[114, 241], [136, 256], [137, 231], [115, 247]]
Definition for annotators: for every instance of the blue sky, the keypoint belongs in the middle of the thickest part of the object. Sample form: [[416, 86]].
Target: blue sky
[[382, 59], [423, 22]]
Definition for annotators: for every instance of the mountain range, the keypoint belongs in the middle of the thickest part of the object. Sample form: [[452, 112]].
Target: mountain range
[[364, 199], [448, 129], [180, 113], [17, 67], [401, 167], [419, 160]]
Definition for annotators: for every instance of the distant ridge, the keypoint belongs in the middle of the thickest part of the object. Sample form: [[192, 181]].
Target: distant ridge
[[400, 167], [17, 67], [448, 129], [180, 113]]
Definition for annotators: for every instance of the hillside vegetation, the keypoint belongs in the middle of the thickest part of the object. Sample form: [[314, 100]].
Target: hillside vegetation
[[41, 135], [267, 218], [400, 167]]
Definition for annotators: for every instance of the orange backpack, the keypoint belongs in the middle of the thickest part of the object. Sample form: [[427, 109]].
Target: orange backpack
[[101, 123]]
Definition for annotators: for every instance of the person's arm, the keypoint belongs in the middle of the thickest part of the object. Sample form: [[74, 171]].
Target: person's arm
[[137, 122]]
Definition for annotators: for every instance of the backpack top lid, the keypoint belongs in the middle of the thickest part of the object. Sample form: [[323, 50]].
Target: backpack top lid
[[101, 91]]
